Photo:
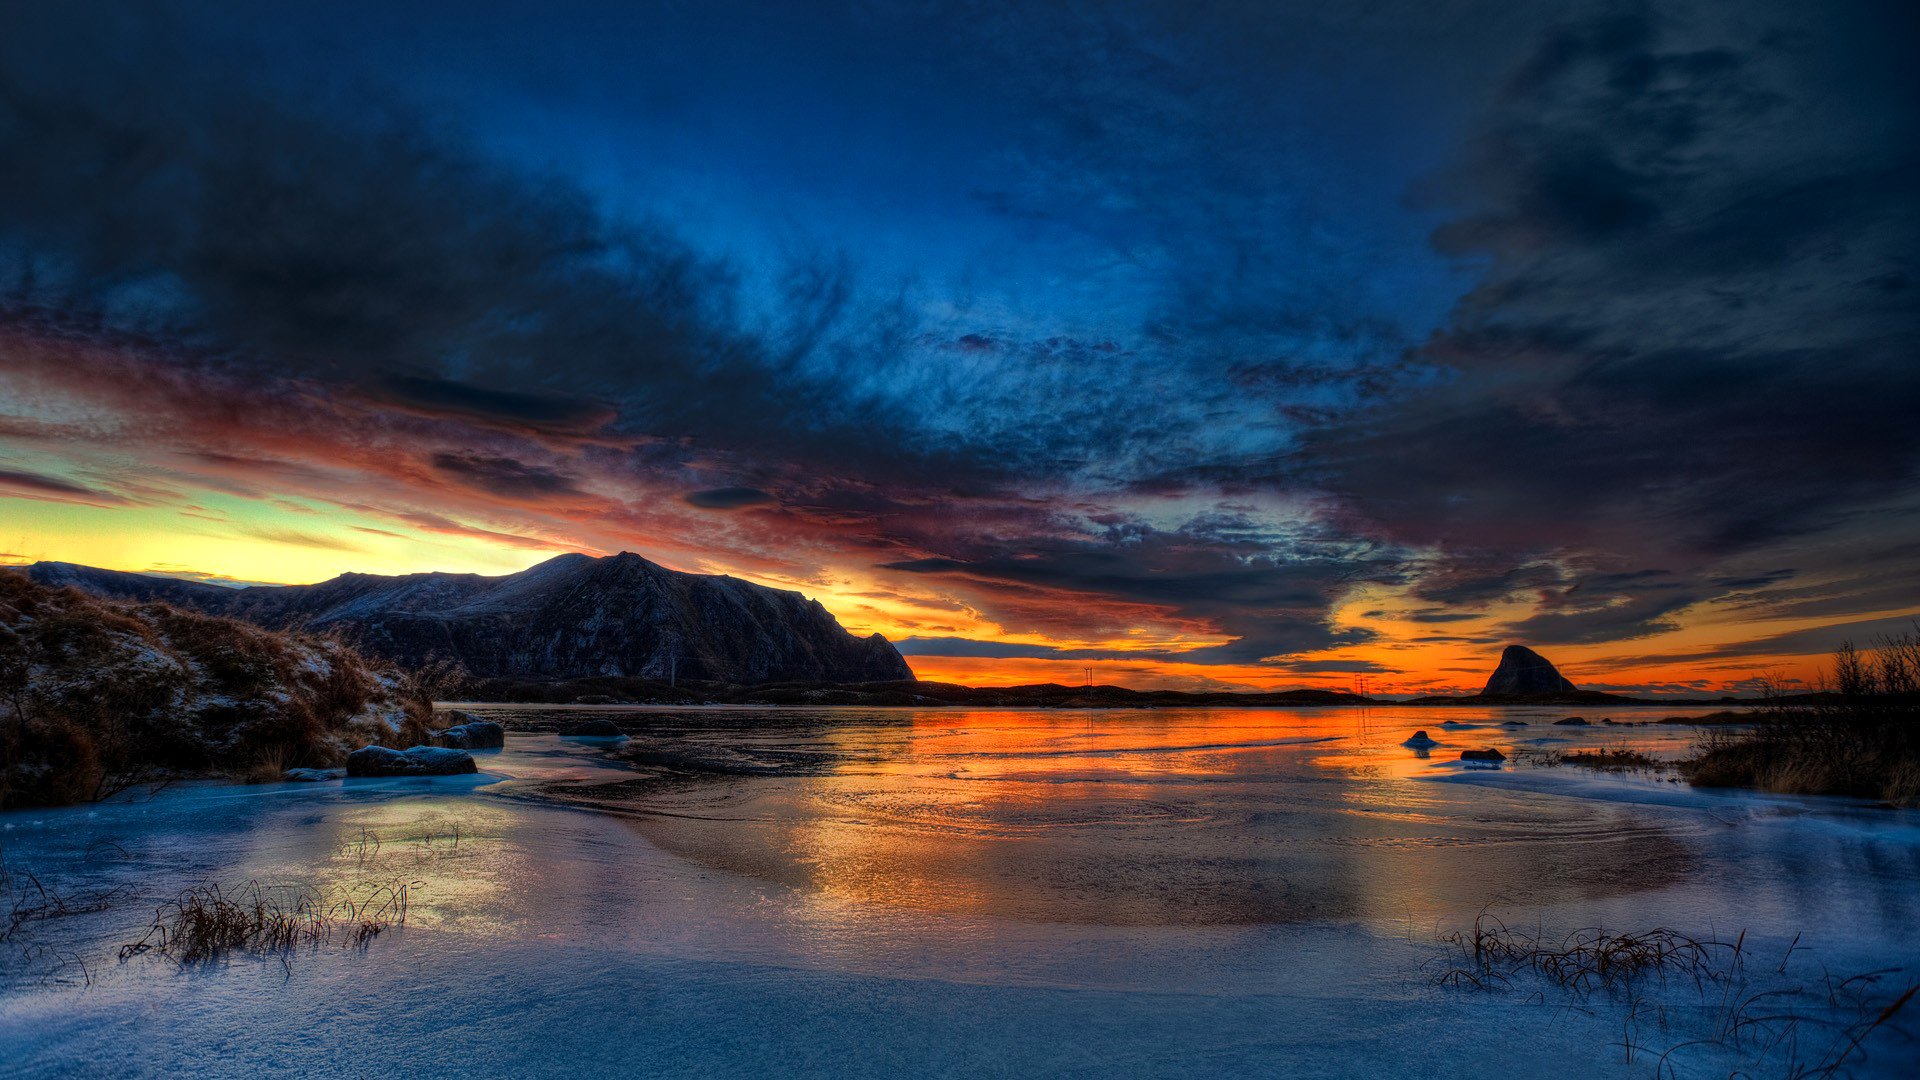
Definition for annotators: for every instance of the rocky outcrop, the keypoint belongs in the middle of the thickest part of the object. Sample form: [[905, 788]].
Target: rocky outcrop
[[570, 617], [1525, 673]]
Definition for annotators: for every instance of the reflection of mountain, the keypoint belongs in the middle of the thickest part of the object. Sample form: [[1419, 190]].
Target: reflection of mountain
[[570, 617]]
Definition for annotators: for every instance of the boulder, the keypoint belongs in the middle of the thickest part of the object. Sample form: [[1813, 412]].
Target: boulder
[[1576, 721], [476, 734], [419, 761], [1514, 723], [1452, 725], [1420, 741], [313, 776], [597, 728], [1525, 673], [1482, 755]]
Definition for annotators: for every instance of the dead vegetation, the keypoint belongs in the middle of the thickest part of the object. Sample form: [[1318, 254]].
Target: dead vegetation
[[97, 697], [207, 921], [1613, 760], [1859, 735], [1798, 1026], [1492, 955]]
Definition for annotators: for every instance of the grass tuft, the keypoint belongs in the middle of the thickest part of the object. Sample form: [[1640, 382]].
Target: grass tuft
[[207, 921]]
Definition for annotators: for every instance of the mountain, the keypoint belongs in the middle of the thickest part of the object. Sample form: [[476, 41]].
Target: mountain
[[1524, 677], [573, 616], [1523, 671]]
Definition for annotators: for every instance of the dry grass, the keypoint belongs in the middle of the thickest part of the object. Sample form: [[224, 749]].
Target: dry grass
[[1859, 736], [1493, 954], [1612, 760], [100, 696], [1800, 1028], [207, 921]]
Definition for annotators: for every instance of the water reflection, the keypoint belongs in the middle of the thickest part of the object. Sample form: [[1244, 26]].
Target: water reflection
[[1173, 817]]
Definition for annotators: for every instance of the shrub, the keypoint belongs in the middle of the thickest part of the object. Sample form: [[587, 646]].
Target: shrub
[[97, 696], [1858, 736]]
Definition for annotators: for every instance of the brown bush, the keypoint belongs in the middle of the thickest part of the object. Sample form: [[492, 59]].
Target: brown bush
[[96, 696], [1858, 736]]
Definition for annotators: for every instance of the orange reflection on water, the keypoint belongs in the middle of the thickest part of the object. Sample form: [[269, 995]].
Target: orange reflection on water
[[1152, 818]]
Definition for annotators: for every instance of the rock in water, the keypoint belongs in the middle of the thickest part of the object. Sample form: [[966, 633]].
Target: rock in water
[[1421, 741], [597, 728], [571, 617], [1482, 755], [419, 761], [473, 735], [1524, 672]]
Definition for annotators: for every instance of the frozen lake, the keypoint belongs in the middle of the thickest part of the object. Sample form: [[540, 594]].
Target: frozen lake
[[956, 892]]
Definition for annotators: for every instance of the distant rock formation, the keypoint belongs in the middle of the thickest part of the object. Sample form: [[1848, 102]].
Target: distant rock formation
[[1525, 673], [570, 617]]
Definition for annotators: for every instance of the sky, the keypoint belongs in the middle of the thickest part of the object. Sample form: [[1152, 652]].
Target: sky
[[1189, 345]]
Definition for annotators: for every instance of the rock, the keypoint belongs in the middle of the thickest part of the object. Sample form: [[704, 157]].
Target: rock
[[419, 761], [1420, 741], [1482, 755], [1523, 672], [1577, 721], [1452, 725], [311, 776], [1514, 723], [473, 735], [597, 728]]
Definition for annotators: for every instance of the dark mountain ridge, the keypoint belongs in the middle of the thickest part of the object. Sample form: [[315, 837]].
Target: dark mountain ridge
[[571, 617]]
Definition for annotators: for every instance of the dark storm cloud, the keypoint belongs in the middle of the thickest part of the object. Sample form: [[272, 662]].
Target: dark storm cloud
[[506, 477], [1866, 633], [464, 399], [728, 498], [318, 233], [1151, 252], [996, 650], [1696, 331]]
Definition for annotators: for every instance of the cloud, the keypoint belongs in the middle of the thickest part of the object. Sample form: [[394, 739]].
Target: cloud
[[31, 485], [298, 538], [505, 477], [728, 498]]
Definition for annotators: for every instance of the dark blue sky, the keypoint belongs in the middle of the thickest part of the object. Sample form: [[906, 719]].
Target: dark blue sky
[[1205, 328]]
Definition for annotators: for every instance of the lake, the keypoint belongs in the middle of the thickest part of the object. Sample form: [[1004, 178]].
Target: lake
[[956, 892]]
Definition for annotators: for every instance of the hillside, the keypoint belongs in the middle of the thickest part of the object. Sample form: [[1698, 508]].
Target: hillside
[[97, 695], [571, 617]]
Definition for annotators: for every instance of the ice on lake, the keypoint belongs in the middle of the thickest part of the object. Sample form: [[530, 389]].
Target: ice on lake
[[951, 892]]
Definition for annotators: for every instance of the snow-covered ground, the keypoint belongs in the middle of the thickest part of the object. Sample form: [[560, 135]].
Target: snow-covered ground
[[868, 892]]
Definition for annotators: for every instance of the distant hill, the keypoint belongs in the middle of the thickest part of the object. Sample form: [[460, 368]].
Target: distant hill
[[571, 617], [610, 691]]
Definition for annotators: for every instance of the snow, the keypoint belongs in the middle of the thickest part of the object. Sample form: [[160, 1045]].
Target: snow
[[948, 893]]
